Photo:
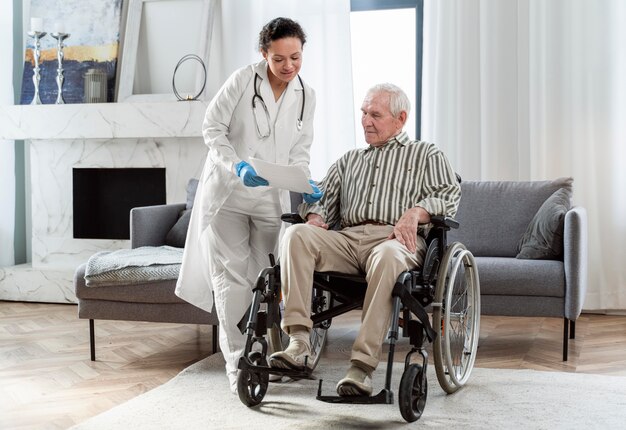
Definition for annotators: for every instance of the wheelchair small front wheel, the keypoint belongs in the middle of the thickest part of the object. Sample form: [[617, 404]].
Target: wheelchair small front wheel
[[412, 393], [252, 386]]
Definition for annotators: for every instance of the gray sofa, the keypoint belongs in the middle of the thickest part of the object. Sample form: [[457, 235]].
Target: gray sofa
[[153, 301], [493, 217]]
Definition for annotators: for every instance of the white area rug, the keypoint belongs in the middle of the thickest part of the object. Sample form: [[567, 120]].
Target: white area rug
[[199, 398]]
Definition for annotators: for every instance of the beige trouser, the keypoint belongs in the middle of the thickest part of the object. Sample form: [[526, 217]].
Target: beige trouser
[[307, 248]]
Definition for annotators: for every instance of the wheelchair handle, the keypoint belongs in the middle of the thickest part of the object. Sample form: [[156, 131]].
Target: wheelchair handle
[[292, 218]]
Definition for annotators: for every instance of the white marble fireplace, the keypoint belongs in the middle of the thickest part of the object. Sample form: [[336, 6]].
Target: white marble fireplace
[[114, 135]]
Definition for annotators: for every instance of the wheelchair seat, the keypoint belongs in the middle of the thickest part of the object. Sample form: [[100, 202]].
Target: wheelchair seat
[[447, 285]]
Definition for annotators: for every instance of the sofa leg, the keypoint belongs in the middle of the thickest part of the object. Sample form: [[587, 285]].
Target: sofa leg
[[92, 341], [572, 329], [215, 332], [565, 338]]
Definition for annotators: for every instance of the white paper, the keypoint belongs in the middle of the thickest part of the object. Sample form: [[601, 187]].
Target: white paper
[[290, 178]]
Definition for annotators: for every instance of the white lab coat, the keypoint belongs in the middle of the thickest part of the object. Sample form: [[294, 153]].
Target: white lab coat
[[229, 131]]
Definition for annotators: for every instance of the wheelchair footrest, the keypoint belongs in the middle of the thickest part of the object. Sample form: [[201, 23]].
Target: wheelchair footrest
[[385, 397], [295, 374]]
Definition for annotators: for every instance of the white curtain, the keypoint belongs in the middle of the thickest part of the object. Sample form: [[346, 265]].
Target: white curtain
[[532, 90], [326, 62], [7, 148]]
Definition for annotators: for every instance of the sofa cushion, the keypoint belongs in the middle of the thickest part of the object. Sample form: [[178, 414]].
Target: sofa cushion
[[543, 238], [493, 215], [514, 277], [149, 292]]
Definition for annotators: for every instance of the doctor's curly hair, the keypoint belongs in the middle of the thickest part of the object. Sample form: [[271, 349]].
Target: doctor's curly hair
[[279, 28]]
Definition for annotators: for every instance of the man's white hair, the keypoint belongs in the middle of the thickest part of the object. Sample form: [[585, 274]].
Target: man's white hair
[[398, 101]]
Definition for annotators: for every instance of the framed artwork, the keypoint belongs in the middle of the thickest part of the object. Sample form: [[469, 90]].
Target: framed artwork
[[158, 34], [94, 28]]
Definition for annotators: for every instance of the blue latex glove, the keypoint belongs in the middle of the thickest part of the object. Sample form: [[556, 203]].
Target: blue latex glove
[[315, 195], [248, 175]]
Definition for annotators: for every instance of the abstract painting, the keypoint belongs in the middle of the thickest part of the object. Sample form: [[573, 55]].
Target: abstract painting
[[94, 28]]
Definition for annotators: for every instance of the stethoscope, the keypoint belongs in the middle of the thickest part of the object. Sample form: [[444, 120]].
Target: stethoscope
[[265, 133]]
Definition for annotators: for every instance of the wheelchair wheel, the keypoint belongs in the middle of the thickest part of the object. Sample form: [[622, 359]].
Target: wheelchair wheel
[[252, 386], [278, 340], [412, 393], [457, 320]]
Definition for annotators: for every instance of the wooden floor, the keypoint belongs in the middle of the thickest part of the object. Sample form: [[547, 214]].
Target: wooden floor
[[48, 382]]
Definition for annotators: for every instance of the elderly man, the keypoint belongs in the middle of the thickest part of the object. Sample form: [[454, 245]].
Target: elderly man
[[378, 195]]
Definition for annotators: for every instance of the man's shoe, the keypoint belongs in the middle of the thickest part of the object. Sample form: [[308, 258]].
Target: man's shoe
[[294, 356], [356, 383]]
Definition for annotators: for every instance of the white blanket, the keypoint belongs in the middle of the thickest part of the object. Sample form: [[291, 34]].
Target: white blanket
[[133, 266]]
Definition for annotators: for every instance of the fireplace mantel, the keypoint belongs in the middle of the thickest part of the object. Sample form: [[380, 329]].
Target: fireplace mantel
[[108, 135], [102, 120]]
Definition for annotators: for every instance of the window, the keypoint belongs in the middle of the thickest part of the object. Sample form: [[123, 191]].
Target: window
[[387, 47]]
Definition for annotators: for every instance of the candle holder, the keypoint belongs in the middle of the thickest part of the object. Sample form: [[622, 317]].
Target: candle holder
[[36, 35], [60, 37]]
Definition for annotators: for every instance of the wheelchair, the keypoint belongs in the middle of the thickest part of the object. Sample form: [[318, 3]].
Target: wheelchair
[[447, 286]]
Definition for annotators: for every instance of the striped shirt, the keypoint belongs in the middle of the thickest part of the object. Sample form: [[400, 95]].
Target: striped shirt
[[380, 184]]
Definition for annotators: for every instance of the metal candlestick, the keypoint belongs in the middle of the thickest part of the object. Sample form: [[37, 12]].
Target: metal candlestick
[[36, 35], [60, 37]]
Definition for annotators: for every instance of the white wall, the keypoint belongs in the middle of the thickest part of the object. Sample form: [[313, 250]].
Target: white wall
[[7, 148], [170, 29]]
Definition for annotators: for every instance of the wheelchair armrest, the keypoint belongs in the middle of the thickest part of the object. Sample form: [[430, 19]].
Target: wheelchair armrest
[[444, 221], [292, 218]]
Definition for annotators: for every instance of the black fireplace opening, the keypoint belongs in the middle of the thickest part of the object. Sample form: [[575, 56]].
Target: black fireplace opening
[[104, 197]]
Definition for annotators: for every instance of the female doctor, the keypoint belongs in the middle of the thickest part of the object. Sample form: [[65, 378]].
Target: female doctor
[[264, 111]]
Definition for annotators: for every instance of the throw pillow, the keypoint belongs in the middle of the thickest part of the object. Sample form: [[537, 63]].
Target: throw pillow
[[543, 238], [192, 187], [178, 233]]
